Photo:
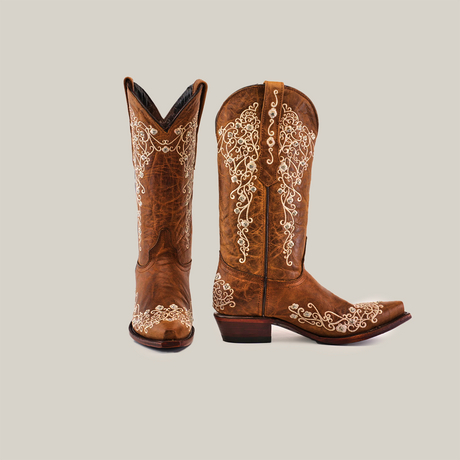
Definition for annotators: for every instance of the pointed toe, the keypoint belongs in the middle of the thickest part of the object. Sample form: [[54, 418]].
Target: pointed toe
[[166, 330], [391, 310], [162, 326]]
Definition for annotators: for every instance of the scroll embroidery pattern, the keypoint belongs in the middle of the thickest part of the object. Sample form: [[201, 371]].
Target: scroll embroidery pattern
[[222, 294], [272, 114], [357, 317], [296, 150], [145, 144], [143, 321], [238, 143]]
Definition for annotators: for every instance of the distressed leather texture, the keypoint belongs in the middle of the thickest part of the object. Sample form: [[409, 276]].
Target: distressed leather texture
[[263, 232], [164, 153]]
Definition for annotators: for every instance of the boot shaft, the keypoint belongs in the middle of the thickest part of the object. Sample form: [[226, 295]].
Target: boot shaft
[[266, 136], [164, 152]]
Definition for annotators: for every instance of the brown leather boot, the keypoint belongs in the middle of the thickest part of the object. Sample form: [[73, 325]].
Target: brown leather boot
[[266, 136], [164, 151]]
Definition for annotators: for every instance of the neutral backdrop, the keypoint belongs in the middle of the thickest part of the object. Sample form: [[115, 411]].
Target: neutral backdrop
[[384, 225]]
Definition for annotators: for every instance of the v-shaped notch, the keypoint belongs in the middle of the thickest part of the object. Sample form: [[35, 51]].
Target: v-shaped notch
[[146, 102]]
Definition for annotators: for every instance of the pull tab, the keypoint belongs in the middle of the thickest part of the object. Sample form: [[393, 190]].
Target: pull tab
[[204, 91], [269, 132]]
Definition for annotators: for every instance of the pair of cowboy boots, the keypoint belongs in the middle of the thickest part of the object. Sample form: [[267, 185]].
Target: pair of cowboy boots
[[266, 136]]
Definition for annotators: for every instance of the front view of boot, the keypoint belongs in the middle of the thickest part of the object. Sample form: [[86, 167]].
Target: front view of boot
[[266, 137], [164, 153]]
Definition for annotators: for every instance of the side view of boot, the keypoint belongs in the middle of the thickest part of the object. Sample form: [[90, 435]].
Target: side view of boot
[[164, 152], [266, 137]]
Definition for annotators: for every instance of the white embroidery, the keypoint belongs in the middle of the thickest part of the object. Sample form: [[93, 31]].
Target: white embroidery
[[296, 150], [142, 322], [222, 294], [238, 143], [357, 317], [145, 144], [272, 114]]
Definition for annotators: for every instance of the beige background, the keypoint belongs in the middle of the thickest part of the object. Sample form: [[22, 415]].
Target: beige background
[[383, 225]]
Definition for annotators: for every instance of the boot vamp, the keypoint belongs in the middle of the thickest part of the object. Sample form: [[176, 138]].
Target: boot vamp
[[163, 308], [306, 304]]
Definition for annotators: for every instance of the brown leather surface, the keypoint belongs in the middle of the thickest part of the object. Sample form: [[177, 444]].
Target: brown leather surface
[[306, 290], [273, 101], [262, 253], [266, 175], [244, 297], [230, 251], [164, 152]]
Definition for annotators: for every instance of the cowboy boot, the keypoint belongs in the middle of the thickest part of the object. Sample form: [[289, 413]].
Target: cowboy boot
[[266, 136], [164, 151]]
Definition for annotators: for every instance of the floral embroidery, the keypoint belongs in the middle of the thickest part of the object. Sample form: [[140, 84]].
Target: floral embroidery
[[272, 114], [238, 143], [222, 295], [296, 150], [358, 316], [145, 144], [142, 322]]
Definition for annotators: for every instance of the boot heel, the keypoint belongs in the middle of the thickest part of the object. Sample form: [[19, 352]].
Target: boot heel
[[244, 329]]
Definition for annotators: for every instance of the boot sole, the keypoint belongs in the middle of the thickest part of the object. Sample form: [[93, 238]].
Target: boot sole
[[163, 344], [252, 329]]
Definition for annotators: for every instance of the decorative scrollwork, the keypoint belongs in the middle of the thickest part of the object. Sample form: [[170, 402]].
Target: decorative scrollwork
[[222, 294], [145, 144], [296, 150], [187, 135], [142, 322], [238, 143], [358, 316], [272, 114]]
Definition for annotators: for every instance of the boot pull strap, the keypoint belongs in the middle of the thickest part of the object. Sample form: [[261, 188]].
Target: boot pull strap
[[204, 90], [128, 83], [269, 131]]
